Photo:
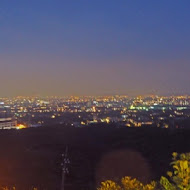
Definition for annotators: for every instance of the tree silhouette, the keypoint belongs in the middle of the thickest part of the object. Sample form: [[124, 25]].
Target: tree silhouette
[[179, 178], [127, 183]]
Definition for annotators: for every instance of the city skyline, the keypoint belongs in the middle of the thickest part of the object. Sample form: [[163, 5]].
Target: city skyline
[[94, 48]]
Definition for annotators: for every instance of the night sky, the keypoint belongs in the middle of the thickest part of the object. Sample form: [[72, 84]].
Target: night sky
[[94, 47]]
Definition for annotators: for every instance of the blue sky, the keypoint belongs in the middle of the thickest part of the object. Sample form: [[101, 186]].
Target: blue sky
[[94, 47]]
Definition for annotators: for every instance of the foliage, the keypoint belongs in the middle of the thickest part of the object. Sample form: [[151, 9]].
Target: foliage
[[111, 185], [127, 183], [166, 185], [133, 184], [179, 178]]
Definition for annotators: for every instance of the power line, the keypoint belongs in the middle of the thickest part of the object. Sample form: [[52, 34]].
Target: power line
[[65, 162]]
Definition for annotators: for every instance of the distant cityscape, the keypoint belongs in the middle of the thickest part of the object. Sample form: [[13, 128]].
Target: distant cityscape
[[121, 111]]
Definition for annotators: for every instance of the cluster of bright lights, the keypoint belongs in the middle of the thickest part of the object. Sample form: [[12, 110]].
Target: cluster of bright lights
[[20, 126]]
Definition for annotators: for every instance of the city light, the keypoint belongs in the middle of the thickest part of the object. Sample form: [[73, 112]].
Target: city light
[[20, 126]]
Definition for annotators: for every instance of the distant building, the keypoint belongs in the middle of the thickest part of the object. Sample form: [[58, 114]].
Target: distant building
[[6, 120]]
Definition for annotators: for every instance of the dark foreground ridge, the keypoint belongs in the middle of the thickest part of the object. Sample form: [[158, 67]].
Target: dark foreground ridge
[[32, 157]]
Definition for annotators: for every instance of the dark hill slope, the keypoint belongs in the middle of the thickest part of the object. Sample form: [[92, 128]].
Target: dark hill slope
[[32, 157]]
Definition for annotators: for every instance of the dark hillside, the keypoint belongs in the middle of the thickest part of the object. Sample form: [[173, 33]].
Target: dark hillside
[[32, 157]]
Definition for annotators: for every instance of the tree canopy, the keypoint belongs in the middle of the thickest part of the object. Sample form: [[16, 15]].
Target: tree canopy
[[178, 178]]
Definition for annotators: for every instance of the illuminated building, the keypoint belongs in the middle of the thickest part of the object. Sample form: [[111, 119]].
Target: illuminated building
[[6, 121]]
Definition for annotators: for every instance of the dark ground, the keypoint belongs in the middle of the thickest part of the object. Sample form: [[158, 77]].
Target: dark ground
[[31, 157]]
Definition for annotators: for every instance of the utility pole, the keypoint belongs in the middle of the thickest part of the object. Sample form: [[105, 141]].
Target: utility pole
[[65, 170]]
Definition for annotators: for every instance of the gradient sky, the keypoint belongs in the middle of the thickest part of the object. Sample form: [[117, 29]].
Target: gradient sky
[[94, 47]]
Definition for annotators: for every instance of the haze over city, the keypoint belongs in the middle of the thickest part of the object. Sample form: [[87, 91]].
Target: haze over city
[[94, 47]]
